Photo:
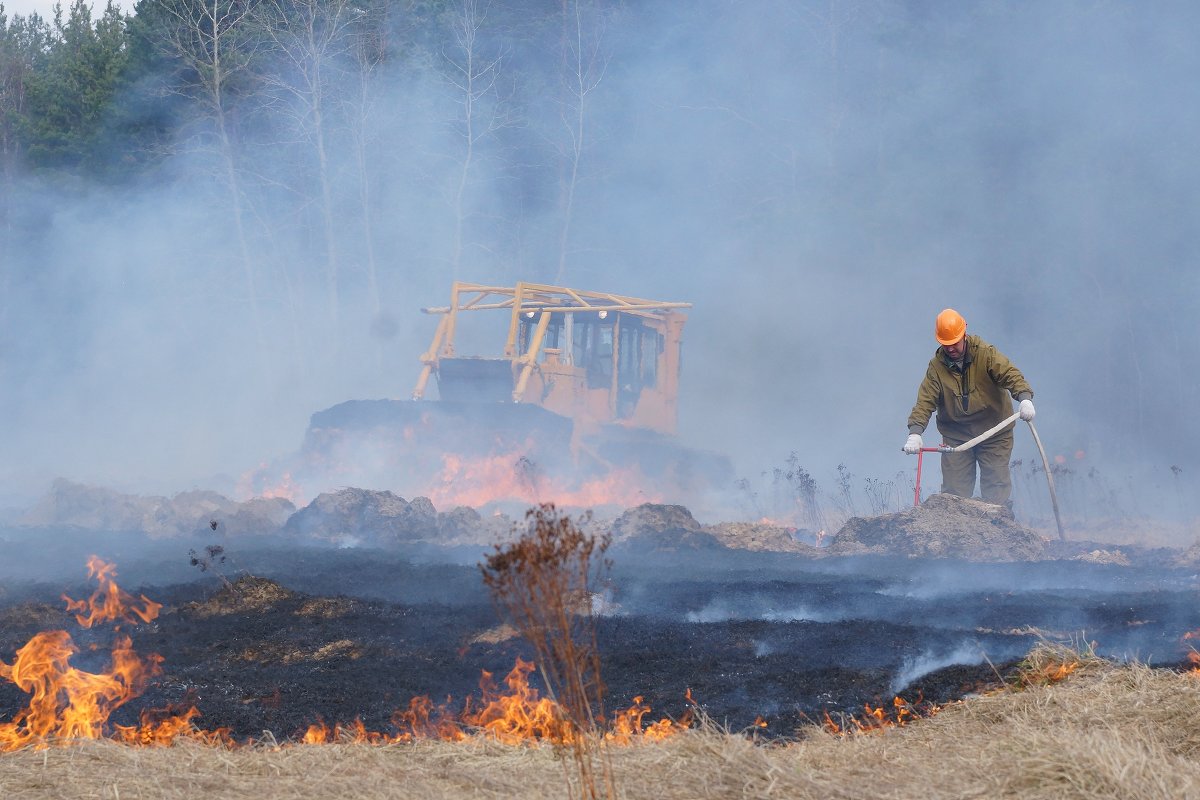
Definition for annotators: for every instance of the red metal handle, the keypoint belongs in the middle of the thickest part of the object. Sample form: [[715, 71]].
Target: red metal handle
[[921, 455], [917, 490]]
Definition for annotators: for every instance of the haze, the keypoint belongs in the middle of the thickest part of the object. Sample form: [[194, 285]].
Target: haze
[[818, 178]]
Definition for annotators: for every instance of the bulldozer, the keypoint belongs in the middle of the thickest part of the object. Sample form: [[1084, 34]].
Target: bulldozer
[[585, 385]]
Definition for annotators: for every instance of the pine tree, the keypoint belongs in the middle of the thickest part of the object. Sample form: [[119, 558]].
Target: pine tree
[[70, 98]]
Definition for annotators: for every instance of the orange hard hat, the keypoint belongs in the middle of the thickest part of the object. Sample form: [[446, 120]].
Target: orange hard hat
[[950, 327]]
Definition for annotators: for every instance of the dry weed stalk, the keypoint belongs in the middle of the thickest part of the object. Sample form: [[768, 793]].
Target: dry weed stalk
[[543, 582]]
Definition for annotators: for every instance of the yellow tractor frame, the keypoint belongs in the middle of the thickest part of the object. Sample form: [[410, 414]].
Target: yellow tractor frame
[[594, 357]]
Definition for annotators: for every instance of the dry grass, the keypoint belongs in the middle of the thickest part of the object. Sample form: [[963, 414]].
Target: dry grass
[[1105, 731]]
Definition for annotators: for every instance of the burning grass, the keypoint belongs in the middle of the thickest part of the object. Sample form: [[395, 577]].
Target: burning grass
[[68, 704], [1066, 724], [1103, 731]]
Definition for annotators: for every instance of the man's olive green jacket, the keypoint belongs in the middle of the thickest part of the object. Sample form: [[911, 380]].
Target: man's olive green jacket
[[968, 402]]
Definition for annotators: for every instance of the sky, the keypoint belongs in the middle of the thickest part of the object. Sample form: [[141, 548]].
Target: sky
[[818, 179], [45, 8], [27, 7]]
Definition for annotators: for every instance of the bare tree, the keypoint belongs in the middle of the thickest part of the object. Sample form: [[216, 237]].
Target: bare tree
[[213, 45], [309, 41], [584, 64], [369, 50], [475, 76]]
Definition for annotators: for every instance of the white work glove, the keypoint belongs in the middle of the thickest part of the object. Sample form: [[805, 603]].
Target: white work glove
[[1026, 410], [914, 444]]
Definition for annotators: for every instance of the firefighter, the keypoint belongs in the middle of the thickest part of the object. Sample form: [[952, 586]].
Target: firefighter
[[968, 384]]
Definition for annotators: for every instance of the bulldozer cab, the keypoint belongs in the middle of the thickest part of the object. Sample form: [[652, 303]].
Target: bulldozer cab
[[593, 357]]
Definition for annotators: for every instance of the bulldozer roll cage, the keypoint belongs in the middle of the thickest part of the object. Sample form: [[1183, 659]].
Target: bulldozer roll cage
[[595, 357]]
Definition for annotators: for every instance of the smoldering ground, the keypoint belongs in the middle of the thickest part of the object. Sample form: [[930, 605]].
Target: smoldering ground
[[350, 633]]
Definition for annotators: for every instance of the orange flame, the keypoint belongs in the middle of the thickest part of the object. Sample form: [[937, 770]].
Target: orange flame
[[161, 727], [880, 717], [1052, 672], [66, 702], [520, 715], [423, 720], [1193, 657], [70, 703], [353, 733], [261, 482], [477, 482], [109, 603], [627, 725], [516, 716]]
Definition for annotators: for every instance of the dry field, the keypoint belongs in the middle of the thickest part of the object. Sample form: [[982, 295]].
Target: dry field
[[1125, 732]]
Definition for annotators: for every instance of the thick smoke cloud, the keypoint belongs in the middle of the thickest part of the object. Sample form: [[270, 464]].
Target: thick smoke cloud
[[819, 179]]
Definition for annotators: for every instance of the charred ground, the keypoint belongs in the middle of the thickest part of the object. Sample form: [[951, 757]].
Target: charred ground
[[273, 636]]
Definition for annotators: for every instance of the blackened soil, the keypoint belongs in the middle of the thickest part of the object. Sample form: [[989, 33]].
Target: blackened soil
[[282, 638]]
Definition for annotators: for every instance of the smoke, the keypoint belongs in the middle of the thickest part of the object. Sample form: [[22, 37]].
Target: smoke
[[725, 609], [916, 667], [818, 179]]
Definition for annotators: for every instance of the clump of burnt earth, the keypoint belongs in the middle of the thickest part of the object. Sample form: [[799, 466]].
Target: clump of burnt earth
[[73, 521], [944, 526], [380, 518], [248, 593], [657, 527], [79, 506]]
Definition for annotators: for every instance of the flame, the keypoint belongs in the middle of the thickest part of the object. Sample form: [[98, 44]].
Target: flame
[[627, 725], [70, 703], [109, 603], [520, 715], [161, 727], [262, 482], [354, 733], [516, 716], [880, 717], [423, 720], [287, 489], [66, 702], [513, 477], [1193, 657], [1052, 672], [474, 481]]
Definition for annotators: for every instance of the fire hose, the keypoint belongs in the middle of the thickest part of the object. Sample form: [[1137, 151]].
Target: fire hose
[[989, 433]]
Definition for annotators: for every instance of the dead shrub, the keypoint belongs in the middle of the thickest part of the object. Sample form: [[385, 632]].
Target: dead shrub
[[544, 583]]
